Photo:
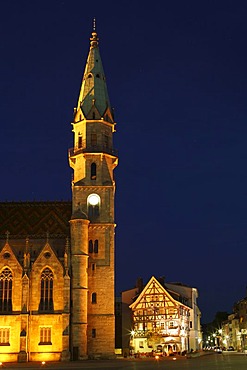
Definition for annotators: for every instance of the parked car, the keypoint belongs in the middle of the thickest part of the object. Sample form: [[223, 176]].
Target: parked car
[[230, 348], [217, 350]]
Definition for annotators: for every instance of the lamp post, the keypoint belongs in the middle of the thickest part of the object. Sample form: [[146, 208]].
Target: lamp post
[[132, 346], [215, 339]]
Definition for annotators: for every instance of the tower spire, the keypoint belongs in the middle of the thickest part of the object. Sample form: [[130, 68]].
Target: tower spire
[[92, 224], [93, 101]]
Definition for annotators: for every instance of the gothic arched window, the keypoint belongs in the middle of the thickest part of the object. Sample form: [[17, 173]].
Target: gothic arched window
[[46, 292], [6, 282], [93, 171]]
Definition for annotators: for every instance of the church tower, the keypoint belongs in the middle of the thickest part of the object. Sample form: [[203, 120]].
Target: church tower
[[93, 160]]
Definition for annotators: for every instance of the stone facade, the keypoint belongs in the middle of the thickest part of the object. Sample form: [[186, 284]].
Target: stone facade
[[35, 303], [57, 273]]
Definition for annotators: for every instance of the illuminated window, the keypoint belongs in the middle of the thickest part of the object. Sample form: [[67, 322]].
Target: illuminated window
[[93, 333], [96, 246], [4, 336], [90, 246], [6, 280], [94, 298], [93, 171], [45, 336], [46, 297]]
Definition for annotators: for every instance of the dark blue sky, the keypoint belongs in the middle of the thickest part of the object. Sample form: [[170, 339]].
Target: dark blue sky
[[177, 78]]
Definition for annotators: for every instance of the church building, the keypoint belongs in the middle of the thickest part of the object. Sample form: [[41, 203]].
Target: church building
[[57, 258]]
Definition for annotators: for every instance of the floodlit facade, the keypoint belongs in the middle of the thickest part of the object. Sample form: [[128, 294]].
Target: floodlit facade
[[159, 322], [234, 330], [57, 258]]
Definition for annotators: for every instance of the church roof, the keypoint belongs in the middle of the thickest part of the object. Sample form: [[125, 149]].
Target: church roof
[[93, 94], [35, 219]]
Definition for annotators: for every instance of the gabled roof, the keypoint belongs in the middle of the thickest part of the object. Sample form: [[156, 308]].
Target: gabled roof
[[153, 287]]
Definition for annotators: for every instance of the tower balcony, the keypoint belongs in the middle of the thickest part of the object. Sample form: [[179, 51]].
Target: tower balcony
[[93, 149]]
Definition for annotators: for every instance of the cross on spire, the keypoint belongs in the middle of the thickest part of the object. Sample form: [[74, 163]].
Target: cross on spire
[[94, 24]]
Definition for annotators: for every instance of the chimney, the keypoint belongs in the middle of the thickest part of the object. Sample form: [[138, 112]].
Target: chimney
[[139, 284], [161, 280]]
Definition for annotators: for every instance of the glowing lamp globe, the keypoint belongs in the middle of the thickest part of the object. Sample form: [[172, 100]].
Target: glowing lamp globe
[[93, 199]]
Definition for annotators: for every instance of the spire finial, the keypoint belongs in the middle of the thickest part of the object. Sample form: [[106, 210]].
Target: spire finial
[[94, 39]]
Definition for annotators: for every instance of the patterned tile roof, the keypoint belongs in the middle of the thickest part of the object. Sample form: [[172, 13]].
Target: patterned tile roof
[[35, 219]]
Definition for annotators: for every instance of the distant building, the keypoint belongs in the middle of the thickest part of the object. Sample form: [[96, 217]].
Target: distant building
[[234, 330], [160, 317], [57, 272]]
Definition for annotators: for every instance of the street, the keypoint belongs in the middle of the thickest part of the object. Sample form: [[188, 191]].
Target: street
[[224, 361]]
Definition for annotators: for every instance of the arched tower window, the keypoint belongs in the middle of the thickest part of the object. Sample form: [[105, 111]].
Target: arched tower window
[[46, 293], [93, 204], [96, 246], [6, 282], [93, 171], [90, 246], [94, 298], [79, 141]]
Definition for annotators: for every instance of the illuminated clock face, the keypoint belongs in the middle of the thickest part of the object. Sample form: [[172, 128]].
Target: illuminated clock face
[[93, 199]]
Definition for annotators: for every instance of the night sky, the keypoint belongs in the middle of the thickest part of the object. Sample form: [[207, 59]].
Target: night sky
[[177, 77]]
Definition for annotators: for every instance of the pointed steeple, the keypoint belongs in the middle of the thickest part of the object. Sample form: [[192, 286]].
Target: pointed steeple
[[93, 102]]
